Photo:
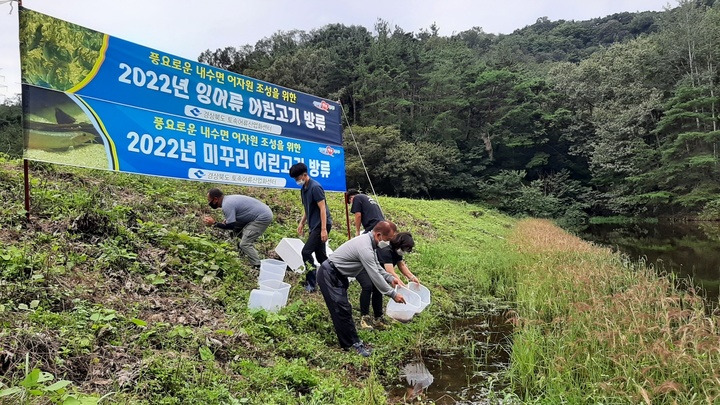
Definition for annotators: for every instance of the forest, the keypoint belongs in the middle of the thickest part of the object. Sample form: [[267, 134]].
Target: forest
[[560, 119]]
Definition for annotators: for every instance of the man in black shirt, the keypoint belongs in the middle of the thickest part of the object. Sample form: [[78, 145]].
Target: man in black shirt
[[367, 211], [368, 214], [317, 216]]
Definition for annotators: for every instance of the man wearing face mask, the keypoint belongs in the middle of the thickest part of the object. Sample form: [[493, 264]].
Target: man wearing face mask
[[244, 215], [317, 217], [349, 260]]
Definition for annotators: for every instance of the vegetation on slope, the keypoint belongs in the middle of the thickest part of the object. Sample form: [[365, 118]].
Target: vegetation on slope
[[117, 287], [594, 328]]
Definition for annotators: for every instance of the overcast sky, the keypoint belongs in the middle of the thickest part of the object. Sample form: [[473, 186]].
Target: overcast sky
[[186, 28]]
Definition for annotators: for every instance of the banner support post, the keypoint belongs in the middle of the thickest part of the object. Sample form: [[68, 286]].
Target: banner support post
[[26, 172], [26, 175], [347, 216]]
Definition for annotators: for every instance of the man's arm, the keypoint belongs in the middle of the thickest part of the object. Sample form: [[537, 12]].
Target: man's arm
[[389, 268], [223, 225], [323, 221], [376, 272], [406, 272], [358, 222], [301, 225]]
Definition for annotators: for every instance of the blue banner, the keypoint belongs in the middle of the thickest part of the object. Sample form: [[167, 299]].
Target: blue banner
[[159, 114]]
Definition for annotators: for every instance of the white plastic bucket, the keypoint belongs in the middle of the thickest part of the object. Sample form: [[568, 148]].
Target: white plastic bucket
[[282, 290], [266, 300], [422, 291], [404, 312], [290, 250], [271, 269]]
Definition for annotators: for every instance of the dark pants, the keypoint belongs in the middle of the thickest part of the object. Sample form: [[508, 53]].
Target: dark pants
[[333, 287], [369, 292], [315, 245]]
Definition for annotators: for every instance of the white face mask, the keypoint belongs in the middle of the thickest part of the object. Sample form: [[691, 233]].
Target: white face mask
[[300, 182], [400, 252], [383, 244]]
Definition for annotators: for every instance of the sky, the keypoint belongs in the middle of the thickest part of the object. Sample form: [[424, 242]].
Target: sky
[[187, 28]]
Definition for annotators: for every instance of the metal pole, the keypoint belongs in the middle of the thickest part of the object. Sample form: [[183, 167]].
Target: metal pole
[[26, 167], [26, 170], [347, 215]]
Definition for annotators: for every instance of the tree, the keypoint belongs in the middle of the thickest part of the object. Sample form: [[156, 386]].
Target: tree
[[11, 132]]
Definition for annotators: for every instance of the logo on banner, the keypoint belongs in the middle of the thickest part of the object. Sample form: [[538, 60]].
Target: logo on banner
[[328, 151], [199, 174], [323, 105]]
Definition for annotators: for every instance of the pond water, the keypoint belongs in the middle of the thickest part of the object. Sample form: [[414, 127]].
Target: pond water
[[688, 249], [471, 373]]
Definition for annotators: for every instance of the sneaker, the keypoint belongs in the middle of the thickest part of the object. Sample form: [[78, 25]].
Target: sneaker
[[360, 349], [366, 322], [381, 323], [309, 288]]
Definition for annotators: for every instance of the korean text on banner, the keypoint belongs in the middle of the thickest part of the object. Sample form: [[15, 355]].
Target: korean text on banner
[[90, 99]]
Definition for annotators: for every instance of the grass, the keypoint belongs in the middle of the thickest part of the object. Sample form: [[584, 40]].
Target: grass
[[593, 328], [116, 293], [117, 287]]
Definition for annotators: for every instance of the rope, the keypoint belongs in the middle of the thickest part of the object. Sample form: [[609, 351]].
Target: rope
[[360, 156], [11, 6]]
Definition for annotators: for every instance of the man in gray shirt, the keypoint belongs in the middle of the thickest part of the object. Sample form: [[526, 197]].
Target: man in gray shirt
[[244, 215], [349, 260]]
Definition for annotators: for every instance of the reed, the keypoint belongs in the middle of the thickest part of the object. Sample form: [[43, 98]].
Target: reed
[[596, 328]]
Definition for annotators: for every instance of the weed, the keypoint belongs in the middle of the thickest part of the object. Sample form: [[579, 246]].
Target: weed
[[39, 384]]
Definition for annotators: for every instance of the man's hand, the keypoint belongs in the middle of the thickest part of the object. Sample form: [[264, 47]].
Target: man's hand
[[209, 220], [301, 230], [323, 235], [399, 299], [397, 282], [415, 279]]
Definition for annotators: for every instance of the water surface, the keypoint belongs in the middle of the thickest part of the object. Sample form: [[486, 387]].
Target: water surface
[[689, 249], [471, 373]]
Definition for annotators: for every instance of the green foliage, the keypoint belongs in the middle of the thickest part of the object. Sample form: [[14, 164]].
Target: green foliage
[[627, 104], [153, 305], [39, 385], [593, 327], [711, 211], [555, 196], [62, 56], [11, 134], [18, 263]]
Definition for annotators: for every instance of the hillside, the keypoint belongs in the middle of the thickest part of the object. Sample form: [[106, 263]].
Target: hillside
[[615, 115], [114, 292], [117, 287]]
